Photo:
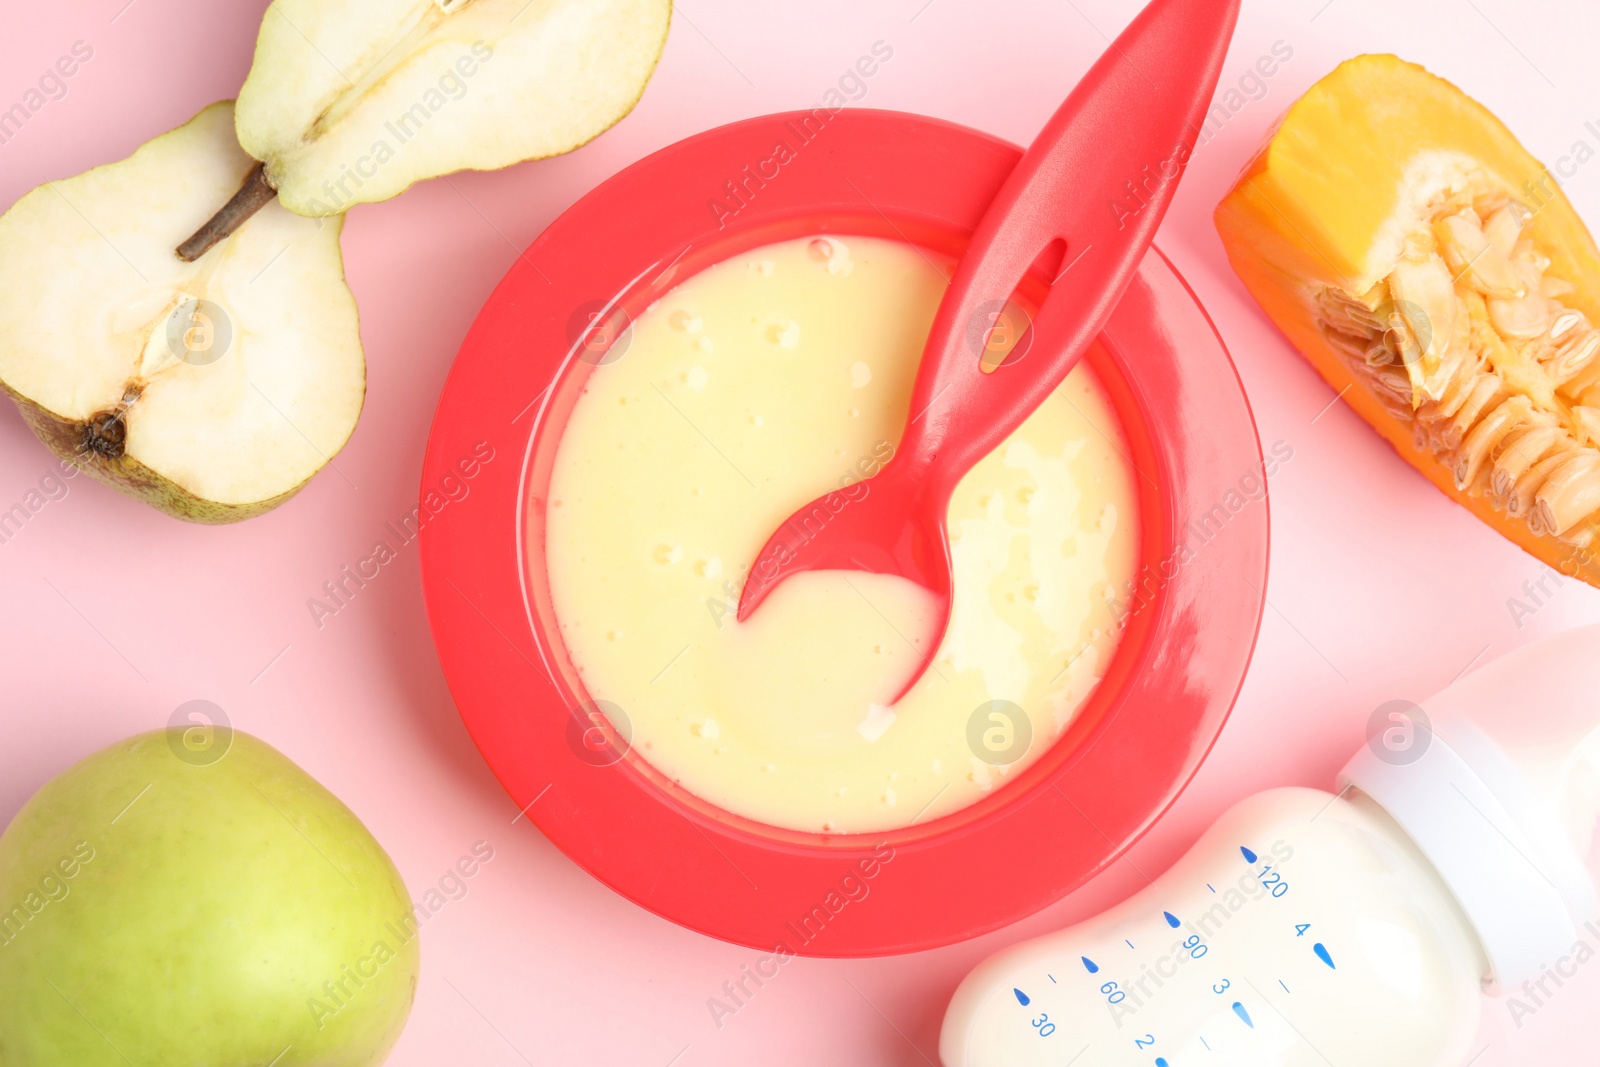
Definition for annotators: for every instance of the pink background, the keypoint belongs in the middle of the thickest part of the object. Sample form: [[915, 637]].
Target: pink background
[[115, 614]]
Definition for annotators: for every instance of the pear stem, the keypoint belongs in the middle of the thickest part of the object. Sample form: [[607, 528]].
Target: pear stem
[[252, 196]]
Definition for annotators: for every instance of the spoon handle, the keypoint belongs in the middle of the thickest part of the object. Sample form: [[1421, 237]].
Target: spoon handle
[[1098, 179]]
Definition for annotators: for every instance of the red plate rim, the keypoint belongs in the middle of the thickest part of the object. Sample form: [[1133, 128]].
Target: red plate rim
[[1121, 764]]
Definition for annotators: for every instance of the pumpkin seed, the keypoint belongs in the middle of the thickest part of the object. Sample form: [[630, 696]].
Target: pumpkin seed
[[1469, 338]]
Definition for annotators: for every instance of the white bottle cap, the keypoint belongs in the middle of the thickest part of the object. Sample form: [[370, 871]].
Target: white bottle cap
[[1498, 784]]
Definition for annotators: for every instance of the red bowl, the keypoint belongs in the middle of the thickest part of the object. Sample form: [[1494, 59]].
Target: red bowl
[[1122, 761]]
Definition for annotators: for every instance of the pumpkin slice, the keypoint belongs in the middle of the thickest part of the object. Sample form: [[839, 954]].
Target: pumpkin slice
[[1433, 272]]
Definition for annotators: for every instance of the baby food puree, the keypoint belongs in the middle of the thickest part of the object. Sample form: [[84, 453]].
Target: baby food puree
[[754, 386]]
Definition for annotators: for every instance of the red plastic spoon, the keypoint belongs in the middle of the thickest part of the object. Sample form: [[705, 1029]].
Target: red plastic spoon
[[1098, 180]]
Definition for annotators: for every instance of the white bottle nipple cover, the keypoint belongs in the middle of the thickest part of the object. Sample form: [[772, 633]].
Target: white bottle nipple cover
[[1497, 789]]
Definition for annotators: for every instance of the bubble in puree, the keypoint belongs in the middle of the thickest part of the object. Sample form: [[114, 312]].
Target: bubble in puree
[[751, 388]]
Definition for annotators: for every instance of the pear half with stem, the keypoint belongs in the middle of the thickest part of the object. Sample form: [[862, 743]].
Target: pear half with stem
[[351, 101], [211, 390]]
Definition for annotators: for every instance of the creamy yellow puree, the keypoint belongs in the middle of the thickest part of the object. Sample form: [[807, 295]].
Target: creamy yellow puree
[[749, 389]]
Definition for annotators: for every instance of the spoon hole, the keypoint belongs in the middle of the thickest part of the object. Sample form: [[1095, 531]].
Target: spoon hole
[[1047, 264], [1002, 331], [1006, 334]]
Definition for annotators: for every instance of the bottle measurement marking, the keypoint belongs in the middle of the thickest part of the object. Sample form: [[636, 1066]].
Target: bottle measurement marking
[[1114, 994], [1322, 954], [1161, 1061]]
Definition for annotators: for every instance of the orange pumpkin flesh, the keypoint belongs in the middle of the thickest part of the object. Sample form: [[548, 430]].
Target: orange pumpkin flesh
[[1434, 274]]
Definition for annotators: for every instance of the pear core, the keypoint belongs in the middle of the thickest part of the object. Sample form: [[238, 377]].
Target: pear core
[[212, 390]]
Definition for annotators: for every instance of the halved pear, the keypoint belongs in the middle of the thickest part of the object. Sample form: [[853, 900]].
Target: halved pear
[[351, 101], [211, 390]]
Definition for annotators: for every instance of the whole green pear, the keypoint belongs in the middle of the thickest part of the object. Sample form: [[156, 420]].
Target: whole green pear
[[174, 903]]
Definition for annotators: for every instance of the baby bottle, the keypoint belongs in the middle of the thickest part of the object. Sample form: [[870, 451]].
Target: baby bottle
[[1308, 928]]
